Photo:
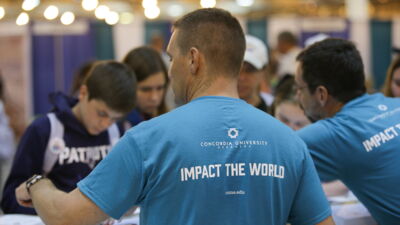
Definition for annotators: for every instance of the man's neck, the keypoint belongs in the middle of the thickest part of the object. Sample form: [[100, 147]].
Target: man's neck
[[333, 107], [220, 86]]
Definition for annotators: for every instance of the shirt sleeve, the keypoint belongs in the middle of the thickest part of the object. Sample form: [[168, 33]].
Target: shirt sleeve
[[323, 150], [115, 185], [310, 205]]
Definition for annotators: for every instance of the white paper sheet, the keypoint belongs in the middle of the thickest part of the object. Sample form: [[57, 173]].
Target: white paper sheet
[[19, 219]]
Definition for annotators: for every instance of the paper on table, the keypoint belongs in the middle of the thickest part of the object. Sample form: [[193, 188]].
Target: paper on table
[[129, 221], [134, 219], [19, 219], [352, 214], [340, 199]]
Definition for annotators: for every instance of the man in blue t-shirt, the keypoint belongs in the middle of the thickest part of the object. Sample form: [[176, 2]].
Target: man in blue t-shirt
[[357, 136], [206, 162]]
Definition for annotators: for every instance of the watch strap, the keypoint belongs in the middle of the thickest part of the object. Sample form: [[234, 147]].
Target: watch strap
[[33, 180]]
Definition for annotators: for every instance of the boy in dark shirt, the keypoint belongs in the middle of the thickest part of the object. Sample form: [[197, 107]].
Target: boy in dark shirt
[[67, 143]]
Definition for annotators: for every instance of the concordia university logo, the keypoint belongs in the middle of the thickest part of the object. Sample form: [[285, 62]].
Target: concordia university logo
[[233, 143], [233, 133], [382, 107]]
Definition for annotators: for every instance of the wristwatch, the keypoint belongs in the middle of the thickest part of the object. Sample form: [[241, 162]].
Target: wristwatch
[[33, 180]]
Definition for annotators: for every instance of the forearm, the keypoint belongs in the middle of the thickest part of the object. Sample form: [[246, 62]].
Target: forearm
[[49, 202], [327, 221], [56, 207]]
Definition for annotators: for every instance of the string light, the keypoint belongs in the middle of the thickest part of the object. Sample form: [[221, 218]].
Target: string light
[[112, 18], [149, 3], [67, 18], [101, 12], [22, 19], [2, 12], [28, 5], [51, 12], [152, 13], [245, 3], [89, 5], [208, 3]]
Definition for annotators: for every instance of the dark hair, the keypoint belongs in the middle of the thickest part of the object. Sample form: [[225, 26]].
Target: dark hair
[[335, 64], [284, 92], [387, 88], [217, 34], [288, 37], [80, 75], [114, 83], [145, 62]]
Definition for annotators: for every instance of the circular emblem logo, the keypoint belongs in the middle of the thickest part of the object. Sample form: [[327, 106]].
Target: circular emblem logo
[[57, 145], [233, 133], [382, 107]]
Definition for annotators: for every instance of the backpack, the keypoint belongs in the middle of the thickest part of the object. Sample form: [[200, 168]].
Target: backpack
[[56, 143]]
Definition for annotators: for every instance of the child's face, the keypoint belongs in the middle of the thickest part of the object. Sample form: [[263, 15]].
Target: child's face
[[150, 93], [292, 115], [249, 81], [96, 116]]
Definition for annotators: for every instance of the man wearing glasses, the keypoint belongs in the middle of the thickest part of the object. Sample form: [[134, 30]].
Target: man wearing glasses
[[356, 137]]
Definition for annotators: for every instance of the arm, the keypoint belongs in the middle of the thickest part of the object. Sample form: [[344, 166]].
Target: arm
[[57, 207], [95, 197], [327, 221], [309, 204], [28, 160]]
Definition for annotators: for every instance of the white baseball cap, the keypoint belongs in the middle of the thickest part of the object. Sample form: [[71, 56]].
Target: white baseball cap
[[256, 52], [316, 38]]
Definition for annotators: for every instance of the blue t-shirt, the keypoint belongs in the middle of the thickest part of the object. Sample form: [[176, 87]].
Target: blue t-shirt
[[360, 145], [215, 160]]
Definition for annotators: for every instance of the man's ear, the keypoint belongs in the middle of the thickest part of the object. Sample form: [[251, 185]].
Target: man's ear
[[83, 92], [322, 95], [194, 57]]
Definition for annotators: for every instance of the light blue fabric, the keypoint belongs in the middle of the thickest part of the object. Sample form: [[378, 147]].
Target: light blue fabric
[[360, 145], [215, 160]]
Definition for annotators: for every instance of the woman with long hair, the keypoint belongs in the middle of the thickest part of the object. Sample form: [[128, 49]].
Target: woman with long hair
[[391, 88], [152, 78]]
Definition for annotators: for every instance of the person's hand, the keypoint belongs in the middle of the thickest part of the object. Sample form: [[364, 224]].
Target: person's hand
[[22, 195]]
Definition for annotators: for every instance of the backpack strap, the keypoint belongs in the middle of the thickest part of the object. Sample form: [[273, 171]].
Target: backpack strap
[[55, 145], [113, 134]]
